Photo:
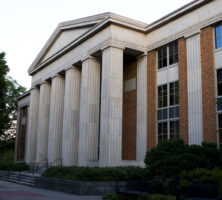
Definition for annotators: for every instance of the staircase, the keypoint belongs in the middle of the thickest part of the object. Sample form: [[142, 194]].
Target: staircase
[[28, 177], [24, 178]]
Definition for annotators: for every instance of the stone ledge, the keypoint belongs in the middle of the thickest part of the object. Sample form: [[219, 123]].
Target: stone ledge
[[77, 187]]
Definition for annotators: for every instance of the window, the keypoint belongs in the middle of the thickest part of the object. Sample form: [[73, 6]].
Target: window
[[173, 53], [162, 57], [220, 128], [219, 90], [168, 111], [218, 36], [219, 105], [167, 55]]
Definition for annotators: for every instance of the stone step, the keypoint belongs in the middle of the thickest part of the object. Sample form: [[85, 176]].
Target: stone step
[[25, 180]]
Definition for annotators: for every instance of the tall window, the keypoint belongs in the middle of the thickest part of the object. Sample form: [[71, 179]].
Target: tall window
[[219, 104], [168, 111], [168, 55], [218, 36]]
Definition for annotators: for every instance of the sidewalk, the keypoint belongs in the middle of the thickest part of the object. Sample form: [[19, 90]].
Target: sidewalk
[[12, 191]]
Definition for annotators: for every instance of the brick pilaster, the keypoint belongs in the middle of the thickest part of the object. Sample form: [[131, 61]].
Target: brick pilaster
[[208, 85], [151, 99], [183, 98]]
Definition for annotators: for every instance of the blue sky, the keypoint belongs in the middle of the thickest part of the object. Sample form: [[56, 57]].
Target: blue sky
[[25, 25]]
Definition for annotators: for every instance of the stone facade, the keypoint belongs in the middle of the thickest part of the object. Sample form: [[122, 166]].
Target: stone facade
[[95, 100]]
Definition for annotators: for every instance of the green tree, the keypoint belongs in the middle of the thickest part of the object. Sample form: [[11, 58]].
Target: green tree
[[10, 90]]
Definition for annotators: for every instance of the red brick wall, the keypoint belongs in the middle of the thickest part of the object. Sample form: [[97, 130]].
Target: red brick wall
[[129, 114], [183, 98], [151, 99], [208, 85]]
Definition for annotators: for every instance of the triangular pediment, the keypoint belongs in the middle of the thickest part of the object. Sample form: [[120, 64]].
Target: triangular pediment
[[64, 34]]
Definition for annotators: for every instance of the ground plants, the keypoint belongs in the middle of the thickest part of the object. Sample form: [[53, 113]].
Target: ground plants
[[169, 158], [96, 173]]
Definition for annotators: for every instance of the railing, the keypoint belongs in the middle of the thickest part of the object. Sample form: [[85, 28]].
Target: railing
[[57, 160], [35, 168]]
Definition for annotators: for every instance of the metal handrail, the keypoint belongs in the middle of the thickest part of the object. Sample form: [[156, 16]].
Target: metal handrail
[[59, 159]]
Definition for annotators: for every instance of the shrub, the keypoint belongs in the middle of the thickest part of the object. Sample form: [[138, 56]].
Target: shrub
[[156, 197], [111, 196], [169, 158], [96, 173], [13, 167], [203, 176]]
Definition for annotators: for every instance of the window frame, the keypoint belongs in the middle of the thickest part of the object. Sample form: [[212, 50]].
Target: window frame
[[168, 55], [215, 37], [168, 119]]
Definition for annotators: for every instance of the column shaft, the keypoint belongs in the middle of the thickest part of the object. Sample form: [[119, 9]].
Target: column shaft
[[71, 117], [89, 111], [141, 108], [111, 107], [43, 121], [32, 126], [56, 119]]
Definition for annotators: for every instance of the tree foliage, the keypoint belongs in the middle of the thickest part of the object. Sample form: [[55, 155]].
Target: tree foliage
[[9, 92], [169, 158]]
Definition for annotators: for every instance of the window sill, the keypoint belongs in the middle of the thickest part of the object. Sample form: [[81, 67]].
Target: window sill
[[167, 67], [218, 50]]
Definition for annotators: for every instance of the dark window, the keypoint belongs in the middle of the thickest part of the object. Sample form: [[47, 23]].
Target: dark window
[[174, 93], [162, 57], [174, 129], [162, 96], [220, 128], [218, 37], [162, 131], [219, 82], [173, 53], [168, 111]]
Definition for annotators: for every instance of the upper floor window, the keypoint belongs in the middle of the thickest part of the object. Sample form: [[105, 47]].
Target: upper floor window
[[168, 55], [168, 111], [218, 36]]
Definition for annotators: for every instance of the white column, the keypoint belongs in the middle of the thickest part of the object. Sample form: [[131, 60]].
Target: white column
[[111, 107], [43, 121], [141, 130], [32, 125], [17, 135], [89, 111], [56, 119], [71, 117], [194, 86]]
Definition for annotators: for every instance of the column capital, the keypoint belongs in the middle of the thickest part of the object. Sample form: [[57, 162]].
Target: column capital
[[144, 54], [34, 87], [88, 57], [113, 46], [56, 75]]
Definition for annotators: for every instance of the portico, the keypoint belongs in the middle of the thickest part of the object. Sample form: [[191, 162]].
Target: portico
[[106, 88]]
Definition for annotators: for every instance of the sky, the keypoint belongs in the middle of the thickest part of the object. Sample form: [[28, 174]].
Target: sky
[[26, 25]]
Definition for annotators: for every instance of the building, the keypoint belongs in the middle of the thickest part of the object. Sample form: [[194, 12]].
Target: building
[[105, 89]]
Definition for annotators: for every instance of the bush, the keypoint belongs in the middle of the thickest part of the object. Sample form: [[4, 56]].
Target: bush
[[13, 167], [155, 197], [96, 173], [203, 176], [111, 196], [169, 158]]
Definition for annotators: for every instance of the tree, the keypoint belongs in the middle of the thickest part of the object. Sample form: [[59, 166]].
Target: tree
[[10, 90]]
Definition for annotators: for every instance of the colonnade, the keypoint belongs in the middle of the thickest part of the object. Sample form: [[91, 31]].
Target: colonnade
[[77, 117]]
